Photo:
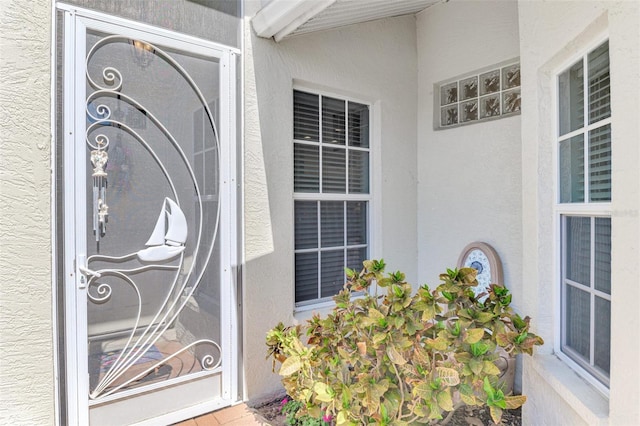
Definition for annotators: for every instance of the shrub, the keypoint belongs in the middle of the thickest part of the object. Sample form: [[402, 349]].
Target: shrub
[[290, 408], [401, 359]]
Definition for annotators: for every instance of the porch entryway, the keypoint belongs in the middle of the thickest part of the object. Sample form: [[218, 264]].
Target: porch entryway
[[149, 219]]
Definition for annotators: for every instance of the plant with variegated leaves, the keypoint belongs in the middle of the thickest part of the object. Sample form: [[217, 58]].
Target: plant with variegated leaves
[[402, 358]]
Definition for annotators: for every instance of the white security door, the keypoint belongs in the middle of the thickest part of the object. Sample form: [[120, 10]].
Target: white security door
[[150, 153]]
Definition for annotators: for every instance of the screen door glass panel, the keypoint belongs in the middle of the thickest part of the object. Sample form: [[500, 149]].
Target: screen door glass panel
[[153, 213]]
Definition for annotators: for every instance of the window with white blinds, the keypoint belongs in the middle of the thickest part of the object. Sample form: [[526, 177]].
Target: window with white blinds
[[584, 180], [331, 179]]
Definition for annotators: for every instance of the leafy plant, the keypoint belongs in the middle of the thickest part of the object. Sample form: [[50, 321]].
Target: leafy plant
[[402, 358], [291, 408]]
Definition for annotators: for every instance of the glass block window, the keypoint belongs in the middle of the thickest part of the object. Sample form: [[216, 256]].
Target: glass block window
[[479, 96], [584, 180], [331, 176]]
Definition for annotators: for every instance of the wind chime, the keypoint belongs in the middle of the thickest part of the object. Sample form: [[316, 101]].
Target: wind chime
[[99, 158]]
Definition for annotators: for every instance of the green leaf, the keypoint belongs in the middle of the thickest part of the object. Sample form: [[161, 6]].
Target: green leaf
[[455, 330], [430, 311], [496, 414], [448, 376], [435, 412], [350, 273], [518, 322], [378, 265], [420, 355], [502, 339], [467, 275], [420, 410], [384, 414], [397, 290], [468, 399], [397, 276], [466, 313], [343, 419], [479, 349], [422, 390], [379, 338], [323, 392], [413, 326], [474, 335], [476, 366], [484, 317], [375, 314], [439, 343], [368, 265], [385, 282], [520, 337], [391, 402], [490, 368], [467, 395], [444, 400], [488, 388], [449, 296], [398, 322], [290, 365], [395, 356], [463, 357]]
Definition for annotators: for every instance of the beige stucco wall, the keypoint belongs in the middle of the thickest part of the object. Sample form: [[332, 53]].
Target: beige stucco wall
[[375, 62], [26, 339], [469, 179], [551, 34]]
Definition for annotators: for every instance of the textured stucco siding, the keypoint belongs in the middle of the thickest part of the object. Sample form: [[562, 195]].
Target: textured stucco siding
[[469, 177], [26, 351], [553, 35], [469, 181], [374, 62]]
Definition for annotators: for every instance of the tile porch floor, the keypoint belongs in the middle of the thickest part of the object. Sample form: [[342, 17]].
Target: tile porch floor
[[238, 415]]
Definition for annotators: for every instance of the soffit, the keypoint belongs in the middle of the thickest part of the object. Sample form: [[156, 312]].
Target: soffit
[[349, 12], [285, 18]]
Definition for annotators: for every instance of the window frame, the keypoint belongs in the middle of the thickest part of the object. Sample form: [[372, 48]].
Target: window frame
[[320, 196], [585, 208]]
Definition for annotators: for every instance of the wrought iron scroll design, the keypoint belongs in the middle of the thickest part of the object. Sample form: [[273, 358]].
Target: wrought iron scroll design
[[141, 339]]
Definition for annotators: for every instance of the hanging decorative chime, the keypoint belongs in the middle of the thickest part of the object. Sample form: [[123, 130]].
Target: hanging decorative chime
[[99, 158]]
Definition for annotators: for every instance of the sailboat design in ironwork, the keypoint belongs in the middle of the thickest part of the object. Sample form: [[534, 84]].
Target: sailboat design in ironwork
[[169, 235]]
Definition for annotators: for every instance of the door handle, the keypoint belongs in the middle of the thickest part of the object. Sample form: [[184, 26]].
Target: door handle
[[83, 271], [87, 271]]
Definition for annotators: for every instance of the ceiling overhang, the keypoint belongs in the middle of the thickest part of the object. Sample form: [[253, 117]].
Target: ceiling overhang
[[283, 18]]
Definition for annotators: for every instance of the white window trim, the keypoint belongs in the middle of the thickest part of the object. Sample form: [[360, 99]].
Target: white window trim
[[373, 211], [586, 208]]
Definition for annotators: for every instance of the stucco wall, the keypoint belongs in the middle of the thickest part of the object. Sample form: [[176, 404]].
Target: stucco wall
[[551, 34], [468, 177], [469, 183], [26, 351], [375, 62]]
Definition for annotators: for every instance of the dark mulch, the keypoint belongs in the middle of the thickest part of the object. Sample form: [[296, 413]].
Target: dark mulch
[[466, 416]]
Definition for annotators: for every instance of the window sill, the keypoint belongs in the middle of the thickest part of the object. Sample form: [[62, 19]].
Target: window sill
[[306, 311], [323, 308], [588, 402]]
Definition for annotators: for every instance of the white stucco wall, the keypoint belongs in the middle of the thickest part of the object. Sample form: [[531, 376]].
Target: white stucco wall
[[552, 34], [469, 184], [375, 62], [26, 339]]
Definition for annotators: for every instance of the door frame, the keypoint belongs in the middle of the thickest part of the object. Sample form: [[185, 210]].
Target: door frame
[[76, 389]]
